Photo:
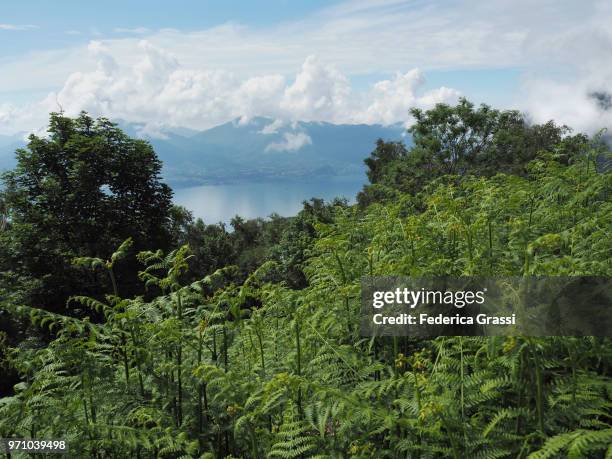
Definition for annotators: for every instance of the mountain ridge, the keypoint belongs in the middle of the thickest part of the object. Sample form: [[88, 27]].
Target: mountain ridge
[[260, 149]]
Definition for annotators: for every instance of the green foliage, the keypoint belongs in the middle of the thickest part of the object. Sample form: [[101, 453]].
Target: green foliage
[[463, 140], [242, 362], [251, 243], [81, 191]]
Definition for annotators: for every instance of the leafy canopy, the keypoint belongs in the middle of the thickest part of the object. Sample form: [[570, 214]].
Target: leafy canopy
[[80, 191]]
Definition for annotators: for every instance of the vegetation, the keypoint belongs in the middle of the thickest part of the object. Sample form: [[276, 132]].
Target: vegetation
[[81, 191], [246, 343]]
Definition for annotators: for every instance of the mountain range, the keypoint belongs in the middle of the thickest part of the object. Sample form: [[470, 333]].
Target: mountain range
[[8, 145], [260, 149]]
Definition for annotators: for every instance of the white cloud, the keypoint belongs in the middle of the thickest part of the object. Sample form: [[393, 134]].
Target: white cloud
[[392, 99], [17, 27], [290, 142], [273, 127], [204, 77], [361, 37], [152, 130], [319, 92], [25, 118], [156, 90], [582, 52], [573, 104], [257, 96]]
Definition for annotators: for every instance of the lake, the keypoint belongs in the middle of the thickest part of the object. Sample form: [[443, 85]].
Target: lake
[[219, 203]]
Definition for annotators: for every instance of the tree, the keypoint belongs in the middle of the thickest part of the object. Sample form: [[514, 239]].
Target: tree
[[454, 136], [219, 368], [292, 249], [382, 157], [80, 192], [211, 246], [462, 140]]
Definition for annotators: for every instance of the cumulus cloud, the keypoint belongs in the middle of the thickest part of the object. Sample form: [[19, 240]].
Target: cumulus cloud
[[562, 48], [392, 99], [155, 89], [273, 127], [291, 142], [319, 92], [29, 117]]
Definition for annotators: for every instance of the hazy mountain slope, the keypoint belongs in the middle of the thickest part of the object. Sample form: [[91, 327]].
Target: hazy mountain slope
[[259, 150], [262, 149], [8, 145]]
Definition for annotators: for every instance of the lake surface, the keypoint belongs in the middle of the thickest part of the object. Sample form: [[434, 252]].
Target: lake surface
[[219, 203]]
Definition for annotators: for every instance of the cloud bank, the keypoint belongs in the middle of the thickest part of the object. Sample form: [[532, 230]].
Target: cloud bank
[[582, 55], [199, 78], [157, 90]]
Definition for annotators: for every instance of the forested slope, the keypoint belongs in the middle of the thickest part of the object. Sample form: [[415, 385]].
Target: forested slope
[[263, 357]]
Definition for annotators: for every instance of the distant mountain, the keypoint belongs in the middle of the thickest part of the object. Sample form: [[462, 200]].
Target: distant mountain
[[258, 150], [264, 149], [8, 145]]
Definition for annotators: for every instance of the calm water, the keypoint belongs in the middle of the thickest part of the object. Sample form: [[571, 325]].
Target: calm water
[[219, 203]]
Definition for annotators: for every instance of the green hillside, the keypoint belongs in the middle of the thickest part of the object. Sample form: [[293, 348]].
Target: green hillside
[[246, 343]]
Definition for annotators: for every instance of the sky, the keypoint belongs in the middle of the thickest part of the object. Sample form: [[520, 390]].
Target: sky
[[197, 64]]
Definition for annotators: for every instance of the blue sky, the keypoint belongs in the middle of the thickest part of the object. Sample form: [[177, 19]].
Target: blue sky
[[200, 63], [66, 22]]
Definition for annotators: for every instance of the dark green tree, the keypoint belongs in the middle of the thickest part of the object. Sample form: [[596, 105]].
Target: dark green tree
[[79, 192], [383, 156], [211, 246], [292, 249], [463, 140]]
